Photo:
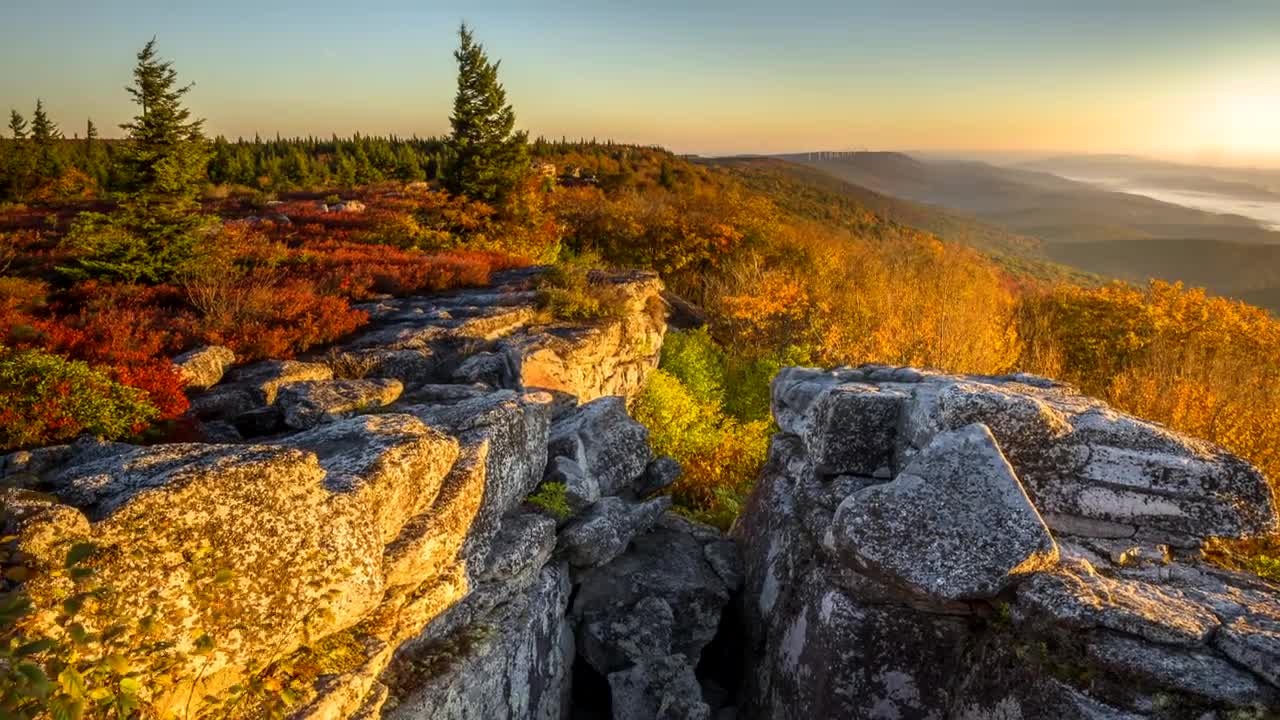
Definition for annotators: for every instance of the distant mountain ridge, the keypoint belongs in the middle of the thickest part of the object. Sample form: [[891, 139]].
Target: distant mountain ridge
[[1089, 227]]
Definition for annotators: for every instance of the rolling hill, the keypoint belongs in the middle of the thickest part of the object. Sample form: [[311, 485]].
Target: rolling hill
[[1083, 225]]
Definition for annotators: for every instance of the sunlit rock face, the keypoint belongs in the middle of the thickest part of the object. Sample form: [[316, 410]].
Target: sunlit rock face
[[370, 512], [932, 546]]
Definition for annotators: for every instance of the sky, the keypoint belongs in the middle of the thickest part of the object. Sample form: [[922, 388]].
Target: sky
[[1185, 80]]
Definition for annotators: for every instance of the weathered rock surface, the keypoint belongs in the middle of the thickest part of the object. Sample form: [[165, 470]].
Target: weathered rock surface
[[382, 510], [955, 524], [605, 442], [894, 567], [202, 368], [1083, 464], [308, 403]]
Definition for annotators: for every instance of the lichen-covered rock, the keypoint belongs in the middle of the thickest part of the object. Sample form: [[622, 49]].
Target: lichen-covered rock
[[659, 475], [658, 689], [297, 558], [870, 596], [580, 489], [1083, 464], [617, 642], [202, 368], [266, 377], [511, 665], [393, 464], [604, 441], [1253, 642], [607, 527], [1079, 598], [955, 524], [669, 562], [308, 403]]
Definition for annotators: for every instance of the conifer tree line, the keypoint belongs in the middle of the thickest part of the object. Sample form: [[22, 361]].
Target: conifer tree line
[[484, 157]]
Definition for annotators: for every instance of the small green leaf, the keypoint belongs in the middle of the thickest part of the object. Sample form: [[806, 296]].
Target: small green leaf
[[33, 648], [130, 686], [72, 682], [78, 553], [204, 645], [224, 576]]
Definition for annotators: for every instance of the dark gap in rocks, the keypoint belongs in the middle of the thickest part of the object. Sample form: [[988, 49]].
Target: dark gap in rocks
[[723, 664], [591, 697]]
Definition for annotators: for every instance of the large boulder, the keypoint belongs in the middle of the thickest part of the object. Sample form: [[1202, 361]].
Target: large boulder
[[605, 442], [606, 528], [897, 564], [202, 368], [955, 524]]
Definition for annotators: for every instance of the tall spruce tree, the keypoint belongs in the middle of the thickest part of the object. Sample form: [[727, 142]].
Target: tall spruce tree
[[158, 233], [167, 153], [489, 157], [44, 139]]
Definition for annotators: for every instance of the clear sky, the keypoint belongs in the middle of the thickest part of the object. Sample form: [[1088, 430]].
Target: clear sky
[[1193, 79]]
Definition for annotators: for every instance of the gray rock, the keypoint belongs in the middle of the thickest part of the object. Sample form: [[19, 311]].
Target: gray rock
[[659, 475], [1081, 599], [668, 563], [260, 421], [511, 664], [605, 442], [225, 402], [1254, 642], [218, 431], [618, 642], [1195, 673], [581, 490], [487, 368], [308, 403], [607, 527], [659, 689], [265, 378], [955, 524], [202, 368]]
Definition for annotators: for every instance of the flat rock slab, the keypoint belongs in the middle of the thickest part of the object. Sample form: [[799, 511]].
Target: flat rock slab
[[266, 377], [309, 403], [1079, 598], [955, 524], [607, 527], [1254, 642], [1199, 674], [202, 368]]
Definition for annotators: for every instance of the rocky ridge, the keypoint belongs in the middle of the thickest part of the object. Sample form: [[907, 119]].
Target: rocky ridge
[[452, 515], [367, 513], [980, 548]]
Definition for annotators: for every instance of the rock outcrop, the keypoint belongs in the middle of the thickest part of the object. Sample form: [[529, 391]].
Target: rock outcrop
[[933, 546], [375, 524]]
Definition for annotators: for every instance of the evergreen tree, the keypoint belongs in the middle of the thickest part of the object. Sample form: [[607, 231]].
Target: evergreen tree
[[158, 232], [489, 156], [44, 139], [43, 130], [17, 125], [167, 152]]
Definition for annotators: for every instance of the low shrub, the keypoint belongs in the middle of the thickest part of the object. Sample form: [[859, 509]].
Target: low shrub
[[45, 399], [569, 293]]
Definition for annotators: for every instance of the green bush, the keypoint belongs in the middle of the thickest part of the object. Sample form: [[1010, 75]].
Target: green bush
[[138, 244], [551, 498], [45, 398], [569, 293]]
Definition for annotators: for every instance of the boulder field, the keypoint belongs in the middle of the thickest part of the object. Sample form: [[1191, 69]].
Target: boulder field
[[453, 516]]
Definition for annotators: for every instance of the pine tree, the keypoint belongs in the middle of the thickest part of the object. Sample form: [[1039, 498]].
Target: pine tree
[[158, 233], [489, 156], [167, 153], [17, 125], [44, 139]]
